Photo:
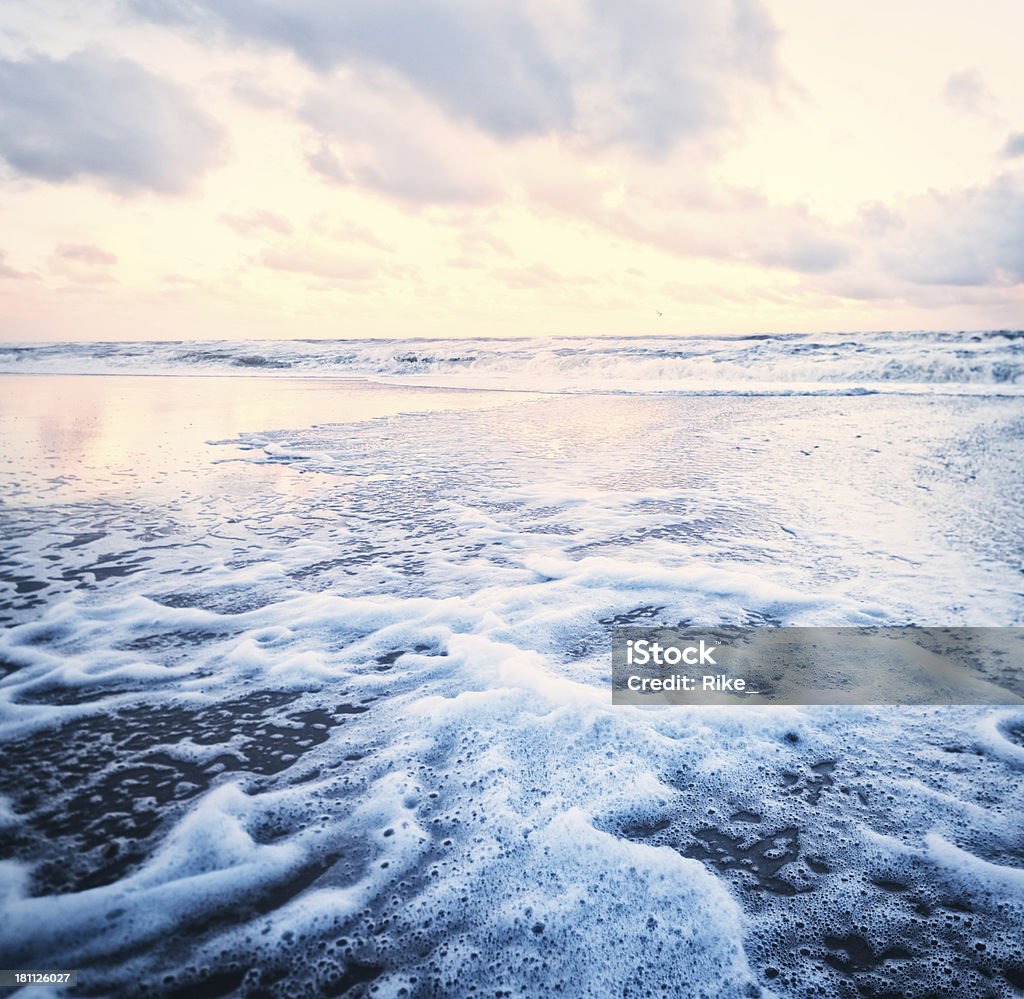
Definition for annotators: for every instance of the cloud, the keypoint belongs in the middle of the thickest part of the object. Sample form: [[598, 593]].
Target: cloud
[[329, 267], [85, 253], [804, 252], [645, 74], [478, 242], [389, 140], [253, 91], [967, 238], [348, 232], [1014, 145], [97, 116], [7, 271], [700, 219], [535, 276], [255, 222], [967, 92], [878, 219], [650, 74], [482, 62]]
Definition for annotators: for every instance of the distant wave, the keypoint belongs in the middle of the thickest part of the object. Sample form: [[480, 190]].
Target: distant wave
[[791, 364]]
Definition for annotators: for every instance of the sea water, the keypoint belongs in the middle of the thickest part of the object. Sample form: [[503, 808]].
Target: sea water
[[307, 671]]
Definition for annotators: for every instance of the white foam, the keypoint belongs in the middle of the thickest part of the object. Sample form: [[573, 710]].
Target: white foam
[[446, 588], [812, 364], [992, 735], [965, 867]]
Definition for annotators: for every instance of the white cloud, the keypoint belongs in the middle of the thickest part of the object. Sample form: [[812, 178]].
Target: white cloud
[[1014, 145], [256, 222], [965, 238], [85, 253], [320, 265], [7, 271], [387, 139], [97, 116], [645, 74], [968, 92]]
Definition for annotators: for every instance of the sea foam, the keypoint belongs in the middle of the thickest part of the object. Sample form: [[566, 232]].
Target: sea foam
[[342, 721], [962, 363]]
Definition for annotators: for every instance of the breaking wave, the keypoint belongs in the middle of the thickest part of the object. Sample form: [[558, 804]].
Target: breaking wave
[[960, 363]]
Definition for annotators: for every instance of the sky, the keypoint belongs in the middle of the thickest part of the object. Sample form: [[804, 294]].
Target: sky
[[195, 169]]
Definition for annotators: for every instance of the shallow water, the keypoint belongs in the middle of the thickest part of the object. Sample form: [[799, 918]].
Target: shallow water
[[307, 691]]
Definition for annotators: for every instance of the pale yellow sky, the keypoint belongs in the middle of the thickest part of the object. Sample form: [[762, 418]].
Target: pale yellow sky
[[207, 169]]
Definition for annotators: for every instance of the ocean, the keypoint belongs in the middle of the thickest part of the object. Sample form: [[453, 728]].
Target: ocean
[[306, 666]]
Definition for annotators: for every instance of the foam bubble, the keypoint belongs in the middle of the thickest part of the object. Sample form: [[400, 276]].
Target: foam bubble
[[352, 728]]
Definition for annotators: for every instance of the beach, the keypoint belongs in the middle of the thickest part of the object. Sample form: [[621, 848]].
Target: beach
[[307, 688]]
